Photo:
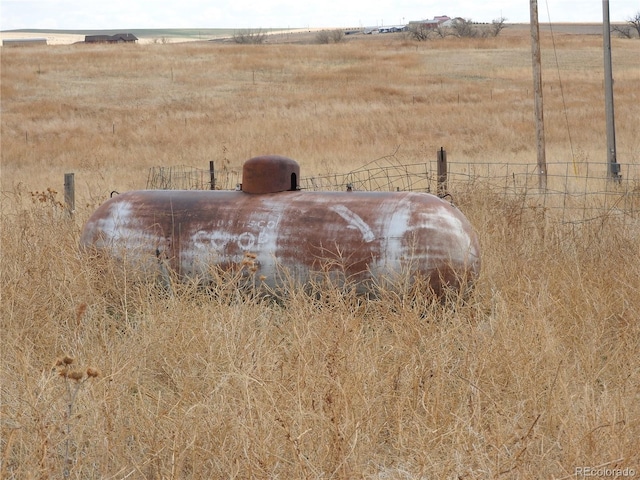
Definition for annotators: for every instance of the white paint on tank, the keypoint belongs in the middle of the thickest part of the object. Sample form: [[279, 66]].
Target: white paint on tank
[[114, 225], [395, 216], [354, 221], [448, 233], [120, 228]]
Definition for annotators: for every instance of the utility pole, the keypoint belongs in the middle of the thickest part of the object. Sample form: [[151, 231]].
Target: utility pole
[[537, 88], [613, 167]]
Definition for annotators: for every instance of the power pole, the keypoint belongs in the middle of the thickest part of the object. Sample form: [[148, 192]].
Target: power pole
[[537, 88], [613, 167]]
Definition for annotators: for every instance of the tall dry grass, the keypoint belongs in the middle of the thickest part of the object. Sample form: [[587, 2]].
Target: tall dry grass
[[533, 375], [91, 109]]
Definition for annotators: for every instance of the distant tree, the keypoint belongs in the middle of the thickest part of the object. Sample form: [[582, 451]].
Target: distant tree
[[442, 31], [630, 29], [464, 28], [322, 37], [460, 27], [421, 33], [418, 32], [624, 31], [249, 36], [326, 36], [634, 22], [497, 25], [337, 35]]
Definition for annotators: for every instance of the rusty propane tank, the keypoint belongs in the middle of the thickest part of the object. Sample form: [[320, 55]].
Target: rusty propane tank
[[273, 231]]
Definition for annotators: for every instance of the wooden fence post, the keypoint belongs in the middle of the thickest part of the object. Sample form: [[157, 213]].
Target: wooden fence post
[[212, 176], [442, 172], [70, 193]]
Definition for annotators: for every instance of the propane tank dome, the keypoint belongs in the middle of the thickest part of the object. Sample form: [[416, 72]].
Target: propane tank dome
[[270, 174]]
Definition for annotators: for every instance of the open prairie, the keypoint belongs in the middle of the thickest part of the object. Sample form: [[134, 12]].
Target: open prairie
[[536, 374]]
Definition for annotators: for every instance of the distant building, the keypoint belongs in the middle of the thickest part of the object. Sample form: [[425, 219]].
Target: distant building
[[439, 21], [384, 29], [117, 38], [23, 42], [392, 28]]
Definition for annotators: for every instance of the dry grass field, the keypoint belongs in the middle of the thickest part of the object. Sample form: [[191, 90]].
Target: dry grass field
[[535, 375]]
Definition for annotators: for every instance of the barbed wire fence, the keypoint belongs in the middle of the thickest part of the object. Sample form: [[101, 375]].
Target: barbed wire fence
[[575, 193]]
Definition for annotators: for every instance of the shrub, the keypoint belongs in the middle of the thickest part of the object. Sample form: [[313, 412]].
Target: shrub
[[249, 37]]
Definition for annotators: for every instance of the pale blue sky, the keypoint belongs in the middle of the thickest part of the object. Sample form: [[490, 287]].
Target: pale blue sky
[[119, 14]]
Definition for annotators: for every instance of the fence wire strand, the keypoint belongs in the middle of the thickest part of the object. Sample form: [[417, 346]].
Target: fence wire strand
[[574, 193]]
